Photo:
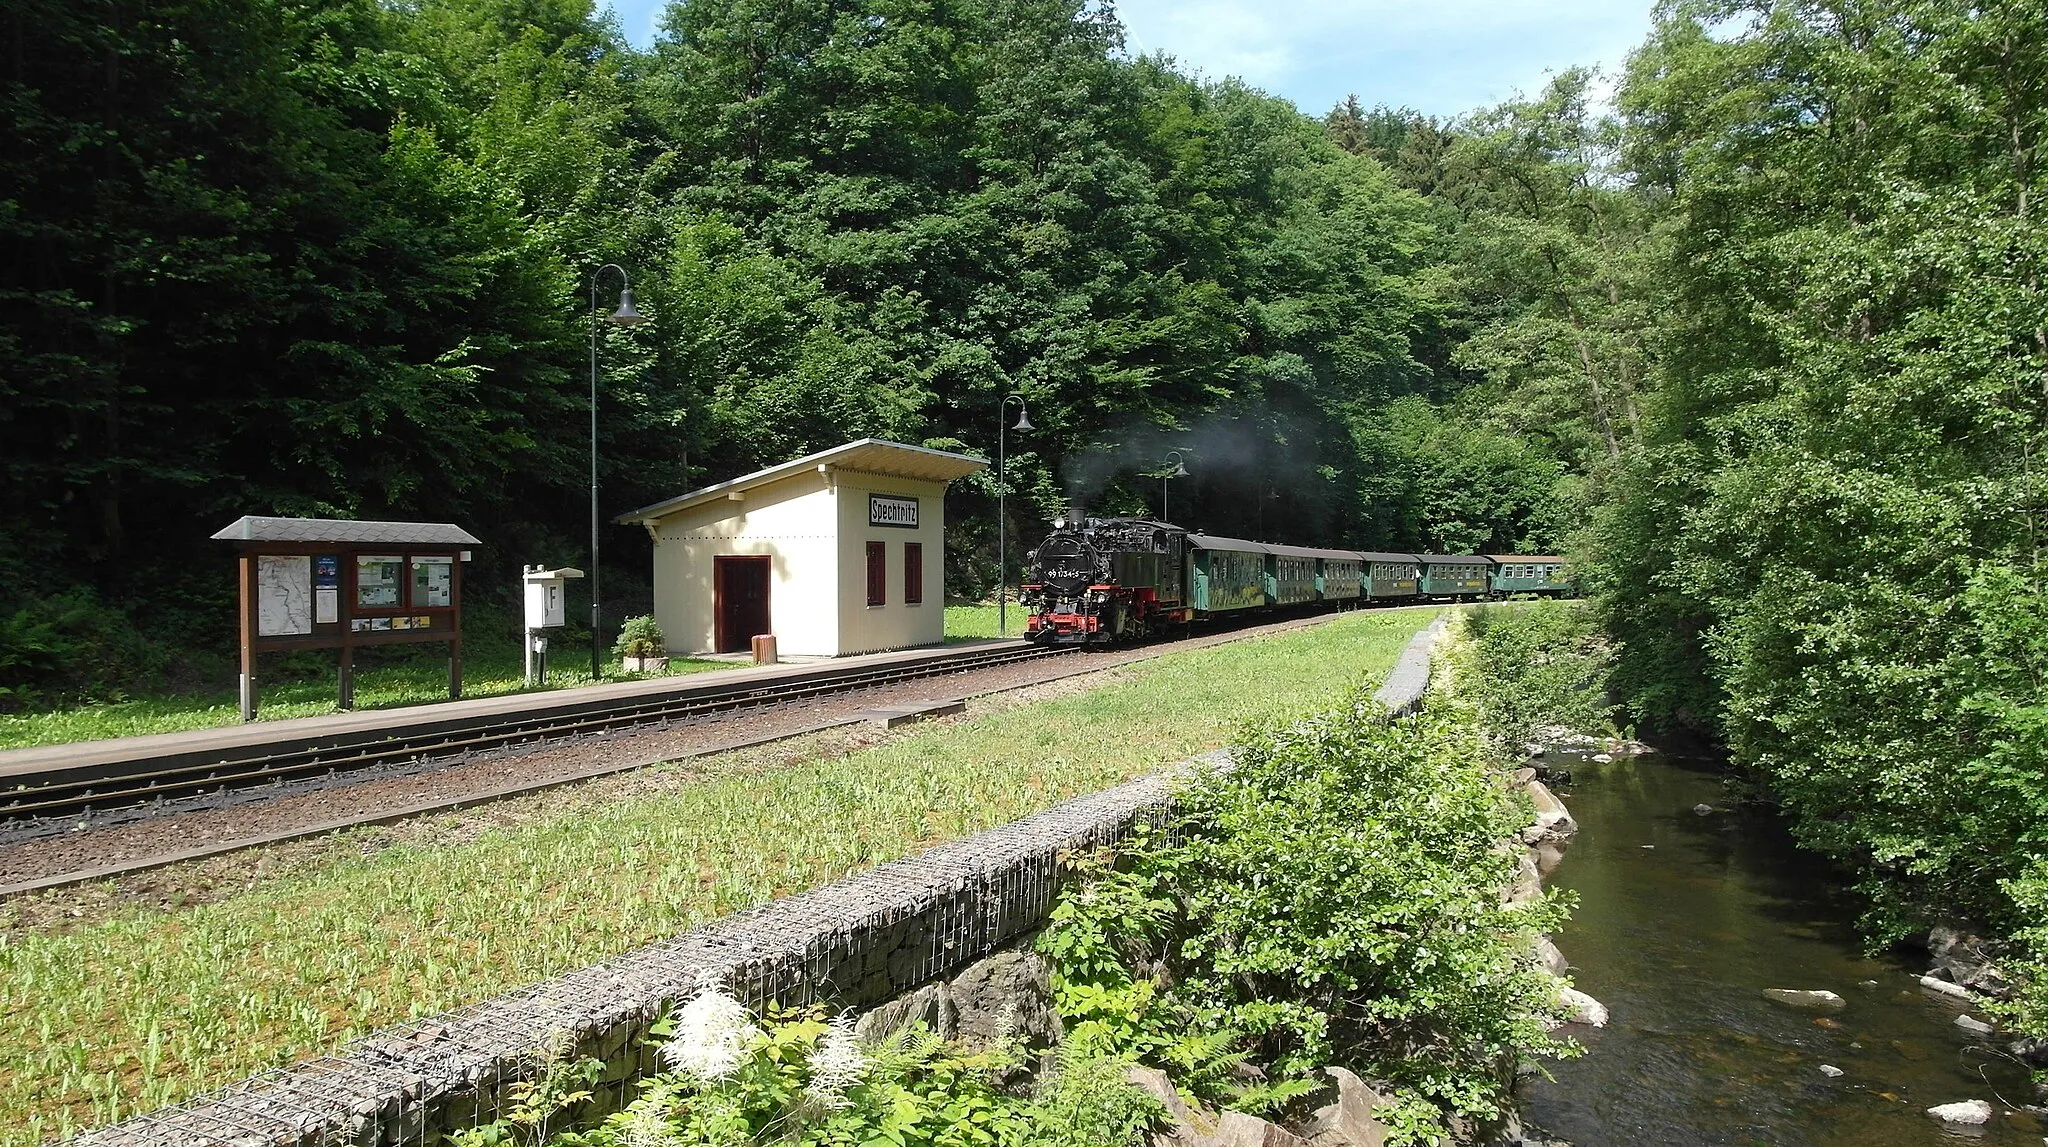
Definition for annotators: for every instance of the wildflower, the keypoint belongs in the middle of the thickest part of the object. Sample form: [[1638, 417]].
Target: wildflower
[[712, 1033], [836, 1064], [646, 1126]]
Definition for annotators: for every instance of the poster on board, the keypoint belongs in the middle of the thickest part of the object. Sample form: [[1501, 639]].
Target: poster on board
[[284, 595]]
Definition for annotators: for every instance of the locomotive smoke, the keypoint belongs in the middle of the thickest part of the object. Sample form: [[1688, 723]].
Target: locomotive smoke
[[1214, 448]]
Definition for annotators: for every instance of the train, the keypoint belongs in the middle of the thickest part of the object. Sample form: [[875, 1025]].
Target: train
[[1098, 581]]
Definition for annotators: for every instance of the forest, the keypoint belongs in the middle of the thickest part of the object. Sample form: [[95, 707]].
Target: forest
[[1753, 329]]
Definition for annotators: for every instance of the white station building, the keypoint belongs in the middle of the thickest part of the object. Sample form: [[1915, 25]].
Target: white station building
[[838, 552]]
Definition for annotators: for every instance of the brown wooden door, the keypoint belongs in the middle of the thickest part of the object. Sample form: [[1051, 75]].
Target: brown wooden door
[[741, 601]]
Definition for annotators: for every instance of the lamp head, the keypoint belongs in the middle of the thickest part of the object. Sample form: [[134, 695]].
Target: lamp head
[[1179, 471], [1023, 418], [627, 315]]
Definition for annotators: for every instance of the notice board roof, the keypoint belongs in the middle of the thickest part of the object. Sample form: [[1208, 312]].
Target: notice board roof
[[346, 532], [866, 456]]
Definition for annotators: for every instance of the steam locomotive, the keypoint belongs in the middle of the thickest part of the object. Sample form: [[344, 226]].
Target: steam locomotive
[[1096, 581]]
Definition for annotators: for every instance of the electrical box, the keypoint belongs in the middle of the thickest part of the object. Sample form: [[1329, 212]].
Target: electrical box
[[547, 596]]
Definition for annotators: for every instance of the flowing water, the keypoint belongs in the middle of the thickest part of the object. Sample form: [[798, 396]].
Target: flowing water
[[1683, 920]]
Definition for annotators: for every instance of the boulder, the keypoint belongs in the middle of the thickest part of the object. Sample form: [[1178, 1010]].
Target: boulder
[[1236, 1129], [1812, 1001], [1830, 1070], [1528, 882], [1702, 809], [1348, 1122], [1524, 775], [1946, 987], [1968, 1111], [1185, 1125], [1584, 1008], [928, 1005], [1005, 997], [1963, 958], [1553, 961], [1974, 1025], [1553, 821]]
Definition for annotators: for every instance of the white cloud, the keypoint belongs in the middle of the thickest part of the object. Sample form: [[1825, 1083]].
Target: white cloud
[[1443, 56]]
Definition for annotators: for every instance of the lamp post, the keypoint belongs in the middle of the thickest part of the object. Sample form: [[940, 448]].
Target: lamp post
[[1178, 471], [1002, 520], [625, 316]]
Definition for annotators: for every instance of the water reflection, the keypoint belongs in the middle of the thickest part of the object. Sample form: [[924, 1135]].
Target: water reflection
[[1683, 921]]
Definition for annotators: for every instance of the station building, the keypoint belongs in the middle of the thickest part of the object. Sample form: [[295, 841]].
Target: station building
[[838, 552]]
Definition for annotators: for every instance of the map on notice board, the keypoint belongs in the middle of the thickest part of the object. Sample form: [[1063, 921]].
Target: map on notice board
[[284, 594]]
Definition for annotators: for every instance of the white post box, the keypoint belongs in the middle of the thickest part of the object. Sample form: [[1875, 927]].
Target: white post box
[[546, 607]]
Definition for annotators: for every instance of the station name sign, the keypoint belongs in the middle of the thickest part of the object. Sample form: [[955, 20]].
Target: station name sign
[[888, 510]]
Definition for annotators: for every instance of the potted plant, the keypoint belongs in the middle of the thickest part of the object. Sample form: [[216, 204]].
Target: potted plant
[[640, 646]]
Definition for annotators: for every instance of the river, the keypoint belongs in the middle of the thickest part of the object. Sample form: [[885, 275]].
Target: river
[[1683, 920]]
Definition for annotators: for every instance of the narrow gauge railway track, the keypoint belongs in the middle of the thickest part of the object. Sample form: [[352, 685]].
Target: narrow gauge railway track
[[70, 793]]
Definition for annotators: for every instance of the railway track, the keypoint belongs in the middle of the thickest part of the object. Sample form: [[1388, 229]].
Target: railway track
[[65, 794]]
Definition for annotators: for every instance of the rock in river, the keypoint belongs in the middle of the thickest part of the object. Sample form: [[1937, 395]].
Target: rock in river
[[1974, 1026], [1830, 1070], [1968, 1111], [1702, 809], [1806, 1000]]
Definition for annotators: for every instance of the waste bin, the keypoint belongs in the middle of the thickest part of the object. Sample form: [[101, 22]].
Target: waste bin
[[764, 649]]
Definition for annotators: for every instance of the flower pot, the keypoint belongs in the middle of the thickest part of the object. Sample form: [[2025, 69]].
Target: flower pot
[[646, 664]]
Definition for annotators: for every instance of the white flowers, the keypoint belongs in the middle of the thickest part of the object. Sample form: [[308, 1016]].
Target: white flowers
[[712, 1034], [715, 1037], [836, 1063]]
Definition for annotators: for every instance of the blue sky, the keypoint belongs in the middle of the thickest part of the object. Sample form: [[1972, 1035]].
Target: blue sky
[[1440, 56]]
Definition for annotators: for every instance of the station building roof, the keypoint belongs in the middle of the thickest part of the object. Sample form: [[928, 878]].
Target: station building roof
[[866, 456], [346, 532]]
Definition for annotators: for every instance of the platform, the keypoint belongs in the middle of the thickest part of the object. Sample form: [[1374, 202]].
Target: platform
[[244, 741]]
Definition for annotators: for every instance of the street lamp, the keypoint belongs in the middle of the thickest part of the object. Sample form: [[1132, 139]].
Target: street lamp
[[625, 316], [1002, 521], [1178, 471]]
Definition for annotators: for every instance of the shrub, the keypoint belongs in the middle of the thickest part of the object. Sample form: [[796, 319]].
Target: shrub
[[640, 637], [803, 1080], [1334, 899]]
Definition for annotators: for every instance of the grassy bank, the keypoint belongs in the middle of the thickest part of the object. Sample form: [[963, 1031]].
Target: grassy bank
[[303, 686], [150, 1008]]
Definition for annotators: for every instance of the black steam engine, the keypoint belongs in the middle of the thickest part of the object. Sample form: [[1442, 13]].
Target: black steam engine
[[1099, 580]]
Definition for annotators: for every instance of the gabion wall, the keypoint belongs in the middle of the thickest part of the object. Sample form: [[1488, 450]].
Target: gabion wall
[[858, 942]]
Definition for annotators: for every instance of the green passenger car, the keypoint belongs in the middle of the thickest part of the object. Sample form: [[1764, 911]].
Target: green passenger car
[[1542, 574], [1391, 575], [1456, 575], [1292, 570], [1341, 576], [1229, 574]]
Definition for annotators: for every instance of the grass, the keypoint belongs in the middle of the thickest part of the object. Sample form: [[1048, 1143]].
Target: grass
[[304, 687], [149, 1008], [974, 621]]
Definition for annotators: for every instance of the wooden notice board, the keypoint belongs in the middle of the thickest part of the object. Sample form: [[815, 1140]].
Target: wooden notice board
[[316, 583]]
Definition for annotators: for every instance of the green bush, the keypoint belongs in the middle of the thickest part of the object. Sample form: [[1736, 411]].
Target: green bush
[[1334, 899], [72, 644], [1536, 664], [640, 637]]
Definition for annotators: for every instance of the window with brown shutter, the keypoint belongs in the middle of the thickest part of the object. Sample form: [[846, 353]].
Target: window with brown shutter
[[913, 573], [878, 573]]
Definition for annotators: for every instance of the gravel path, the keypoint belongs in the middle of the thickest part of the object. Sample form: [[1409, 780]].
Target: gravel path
[[700, 748]]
